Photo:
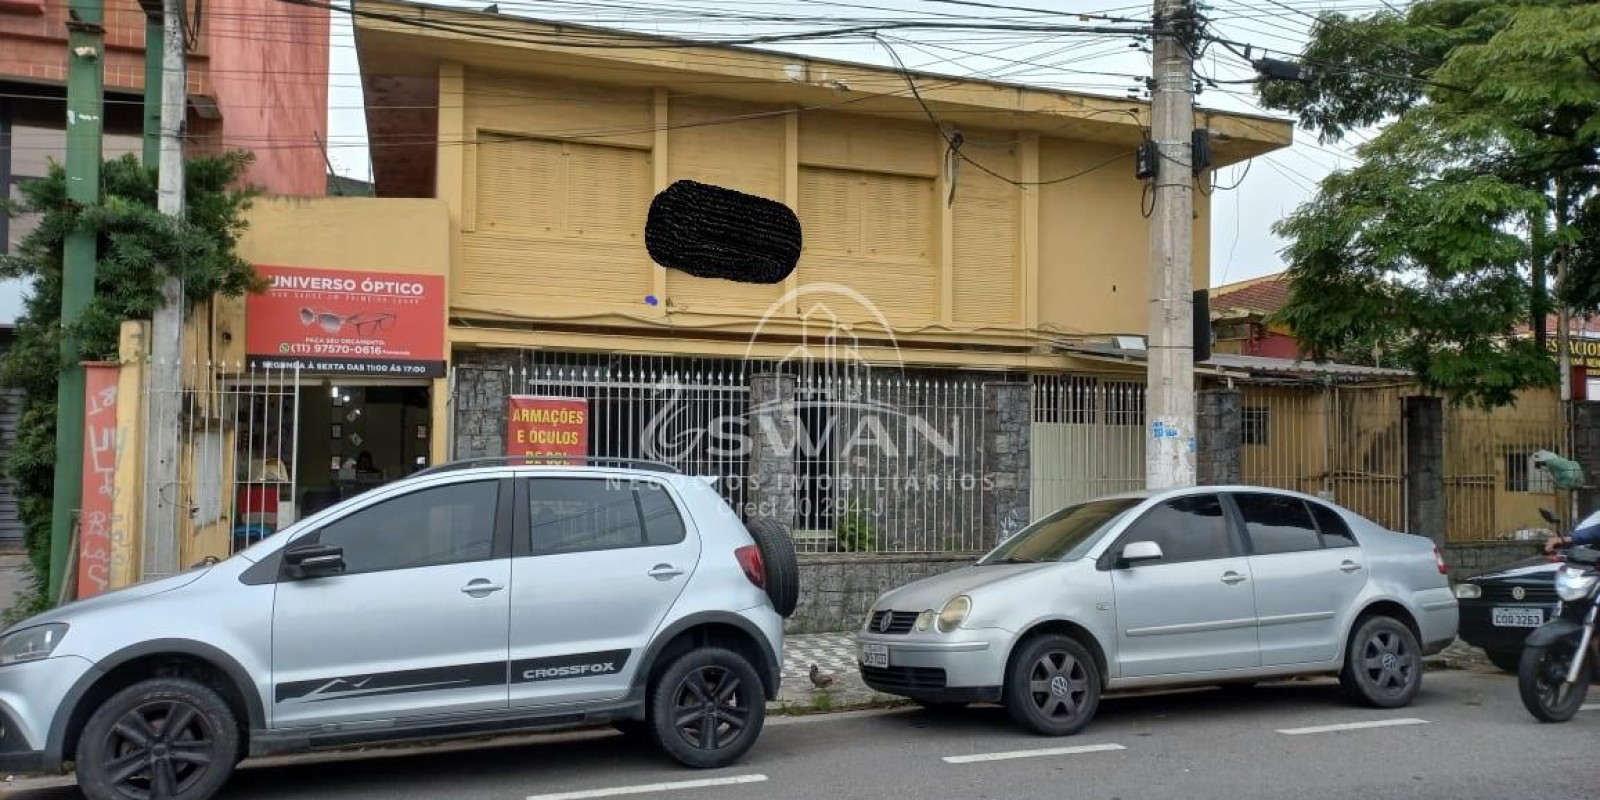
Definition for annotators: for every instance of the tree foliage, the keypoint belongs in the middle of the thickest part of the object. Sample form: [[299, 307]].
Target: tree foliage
[[138, 248], [1438, 245]]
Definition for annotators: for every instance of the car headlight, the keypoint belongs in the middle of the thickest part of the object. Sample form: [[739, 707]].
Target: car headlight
[[1572, 584], [1468, 591], [925, 620], [954, 613], [31, 644]]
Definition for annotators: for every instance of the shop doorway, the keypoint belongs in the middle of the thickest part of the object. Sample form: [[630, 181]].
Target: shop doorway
[[305, 444], [357, 437]]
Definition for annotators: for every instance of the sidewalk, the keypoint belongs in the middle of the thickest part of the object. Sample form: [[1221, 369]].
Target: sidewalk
[[835, 656]]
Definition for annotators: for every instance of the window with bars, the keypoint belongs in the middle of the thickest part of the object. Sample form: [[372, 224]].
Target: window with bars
[[1255, 425]]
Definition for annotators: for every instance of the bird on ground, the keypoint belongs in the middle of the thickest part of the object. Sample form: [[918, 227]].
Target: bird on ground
[[819, 679]]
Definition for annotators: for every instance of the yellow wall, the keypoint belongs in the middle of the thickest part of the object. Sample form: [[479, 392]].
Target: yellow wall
[[557, 176], [405, 236]]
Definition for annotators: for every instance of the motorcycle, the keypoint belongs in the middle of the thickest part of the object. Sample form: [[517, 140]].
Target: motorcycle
[[1559, 658]]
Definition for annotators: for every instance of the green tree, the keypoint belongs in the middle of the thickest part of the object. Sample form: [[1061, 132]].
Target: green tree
[[139, 247], [1479, 187]]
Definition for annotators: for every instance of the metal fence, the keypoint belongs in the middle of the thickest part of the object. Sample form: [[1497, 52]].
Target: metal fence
[[885, 460], [1493, 491], [237, 461], [1087, 439], [1343, 443]]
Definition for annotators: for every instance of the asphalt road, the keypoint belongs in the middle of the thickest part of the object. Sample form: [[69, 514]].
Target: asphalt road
[[1466, 737]]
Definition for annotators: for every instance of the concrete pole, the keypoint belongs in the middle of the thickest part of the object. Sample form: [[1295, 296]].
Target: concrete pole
[[1170, 410], [162, 493], [85, 130]]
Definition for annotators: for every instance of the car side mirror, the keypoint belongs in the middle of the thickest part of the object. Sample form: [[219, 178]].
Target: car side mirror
[[1140, 553], [313, 561], [1549, 516]]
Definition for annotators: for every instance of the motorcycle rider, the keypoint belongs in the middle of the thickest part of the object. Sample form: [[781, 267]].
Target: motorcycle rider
[[1585, 532]]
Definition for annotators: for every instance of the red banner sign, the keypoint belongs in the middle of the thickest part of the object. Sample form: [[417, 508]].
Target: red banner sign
[[553, 430], [347, 323], [99, 479]]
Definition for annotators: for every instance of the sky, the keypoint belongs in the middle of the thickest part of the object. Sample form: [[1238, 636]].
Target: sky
[[1242, 243]]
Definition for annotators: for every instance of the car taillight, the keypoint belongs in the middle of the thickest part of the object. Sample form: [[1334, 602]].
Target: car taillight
[[1438, 558], [750, 561]]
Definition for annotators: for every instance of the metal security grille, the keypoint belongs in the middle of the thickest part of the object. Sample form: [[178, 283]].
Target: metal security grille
[[677, 410], [1493, 491], [884, 459], [1088, 439], [238, 464]]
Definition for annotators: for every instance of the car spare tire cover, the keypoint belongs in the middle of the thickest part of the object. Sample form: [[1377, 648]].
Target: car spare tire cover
[[782, 567]]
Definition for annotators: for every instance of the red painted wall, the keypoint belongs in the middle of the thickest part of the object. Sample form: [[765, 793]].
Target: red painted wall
[[264, 61], [269, 64], [1273, 345]]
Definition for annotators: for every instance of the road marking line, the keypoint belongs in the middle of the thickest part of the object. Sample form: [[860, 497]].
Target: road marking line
[[1591, 707], [1049, 751], [651, 788], [1353, 726]]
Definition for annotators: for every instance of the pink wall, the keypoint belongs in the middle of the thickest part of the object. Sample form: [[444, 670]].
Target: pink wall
[[269, 65]]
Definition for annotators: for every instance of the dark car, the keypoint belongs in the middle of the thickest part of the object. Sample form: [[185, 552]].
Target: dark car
[[1500, 608]]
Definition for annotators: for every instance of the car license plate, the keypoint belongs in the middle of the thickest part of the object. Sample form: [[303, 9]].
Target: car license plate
[[875, 655], [1517, 617]]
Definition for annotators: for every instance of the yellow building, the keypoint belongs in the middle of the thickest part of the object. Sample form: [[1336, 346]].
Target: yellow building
[[504, 256]]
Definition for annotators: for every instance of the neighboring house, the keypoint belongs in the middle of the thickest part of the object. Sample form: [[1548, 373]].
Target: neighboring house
[[1241, 318], [1291, 436], [258, 81]]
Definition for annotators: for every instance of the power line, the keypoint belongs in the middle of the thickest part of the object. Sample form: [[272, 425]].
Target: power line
[[955, 145]]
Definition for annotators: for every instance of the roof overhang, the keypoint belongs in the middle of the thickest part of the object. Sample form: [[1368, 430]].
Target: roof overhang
[[399, 41]]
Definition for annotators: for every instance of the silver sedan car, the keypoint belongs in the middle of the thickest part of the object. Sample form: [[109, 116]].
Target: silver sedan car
[[1213, 585]]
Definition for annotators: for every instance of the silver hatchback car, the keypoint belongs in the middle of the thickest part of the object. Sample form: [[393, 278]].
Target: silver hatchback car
[[466, 600], [1215, 585]]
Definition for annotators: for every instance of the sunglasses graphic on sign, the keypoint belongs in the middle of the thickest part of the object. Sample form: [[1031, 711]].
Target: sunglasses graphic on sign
[[365, 323]]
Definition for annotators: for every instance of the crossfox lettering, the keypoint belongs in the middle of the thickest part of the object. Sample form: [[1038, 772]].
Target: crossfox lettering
[[569, 672]]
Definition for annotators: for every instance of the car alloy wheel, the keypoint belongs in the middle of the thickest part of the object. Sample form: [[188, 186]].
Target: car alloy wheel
[[1388, 662], [159, 739], [712, 708], [1054, 686], [1058, 685], [1383, 664], [707, 707], [159, 750]]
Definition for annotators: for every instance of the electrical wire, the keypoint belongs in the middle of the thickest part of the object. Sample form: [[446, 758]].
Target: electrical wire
[[955, 145]]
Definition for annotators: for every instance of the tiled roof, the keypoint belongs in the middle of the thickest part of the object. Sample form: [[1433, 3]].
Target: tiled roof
[[1264, 295]]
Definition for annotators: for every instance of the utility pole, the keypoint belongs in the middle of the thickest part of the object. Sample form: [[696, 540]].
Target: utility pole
[[166, 325], [1170, 408], [85, 129]]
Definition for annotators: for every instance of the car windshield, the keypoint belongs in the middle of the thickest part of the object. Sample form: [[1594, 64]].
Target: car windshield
[[1061, 536]]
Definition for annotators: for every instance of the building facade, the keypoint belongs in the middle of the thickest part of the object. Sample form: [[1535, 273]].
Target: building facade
[[881, 401], [258, 81]]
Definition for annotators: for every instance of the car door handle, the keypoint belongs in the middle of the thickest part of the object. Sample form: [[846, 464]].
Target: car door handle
[[665, 572], [481, 588], [1230, 577], [1349, 566]]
